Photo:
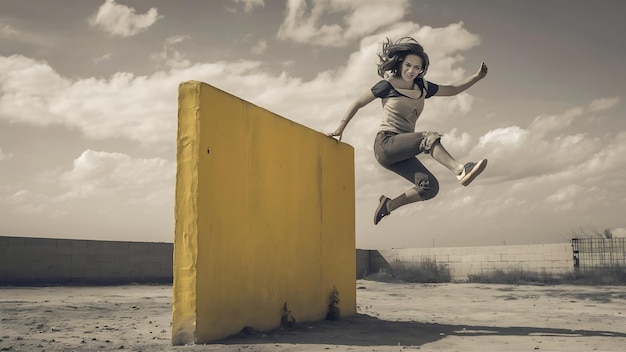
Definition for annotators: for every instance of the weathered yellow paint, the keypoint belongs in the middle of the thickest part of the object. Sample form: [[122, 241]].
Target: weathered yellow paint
[[264, 216]]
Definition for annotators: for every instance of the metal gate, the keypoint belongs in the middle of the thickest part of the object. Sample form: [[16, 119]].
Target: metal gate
[[591, 253]]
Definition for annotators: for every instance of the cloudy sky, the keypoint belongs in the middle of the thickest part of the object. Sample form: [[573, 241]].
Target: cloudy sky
[[88, 109]]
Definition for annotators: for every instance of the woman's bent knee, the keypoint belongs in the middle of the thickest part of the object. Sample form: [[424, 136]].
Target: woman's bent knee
[[431, 192], [428, 186], [429, 140]]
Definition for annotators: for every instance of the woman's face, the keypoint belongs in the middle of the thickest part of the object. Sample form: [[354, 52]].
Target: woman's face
[[411, 67]]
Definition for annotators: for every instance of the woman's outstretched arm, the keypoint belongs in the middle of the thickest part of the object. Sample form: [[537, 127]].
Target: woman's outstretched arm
[[460, 86], [360, 102]]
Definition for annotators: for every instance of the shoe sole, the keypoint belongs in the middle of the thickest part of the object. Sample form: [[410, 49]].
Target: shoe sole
[[379, 208], [477, 170]]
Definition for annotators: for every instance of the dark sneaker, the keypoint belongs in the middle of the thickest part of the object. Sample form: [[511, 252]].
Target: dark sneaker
[[382, 210], [470, 171]]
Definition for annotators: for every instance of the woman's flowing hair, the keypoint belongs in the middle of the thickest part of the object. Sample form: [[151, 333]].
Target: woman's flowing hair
[[393, 53]]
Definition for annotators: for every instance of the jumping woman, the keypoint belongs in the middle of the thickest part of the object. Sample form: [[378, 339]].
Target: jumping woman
[[403, 89]]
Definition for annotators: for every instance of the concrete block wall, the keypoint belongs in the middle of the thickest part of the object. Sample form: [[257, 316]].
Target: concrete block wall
[[464, 261], [363, 260], [264, 219], [34, 261]]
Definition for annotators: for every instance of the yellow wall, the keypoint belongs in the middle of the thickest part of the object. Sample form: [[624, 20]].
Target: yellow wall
[[264, 215]]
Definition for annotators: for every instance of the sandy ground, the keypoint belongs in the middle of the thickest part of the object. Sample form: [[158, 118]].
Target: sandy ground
[[391, 317]]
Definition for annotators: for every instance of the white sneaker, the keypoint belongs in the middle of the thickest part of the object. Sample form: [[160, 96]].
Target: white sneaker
[[470, 171]]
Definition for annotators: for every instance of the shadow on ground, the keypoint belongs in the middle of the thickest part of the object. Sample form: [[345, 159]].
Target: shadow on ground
[[365, 330]]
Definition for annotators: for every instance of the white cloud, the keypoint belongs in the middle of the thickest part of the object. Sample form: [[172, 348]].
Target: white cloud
[[565, 197], [288, 65], [544, 124], [548, 123], [606, 157], [8, 31], [96, 174], [458, 141], [366, 17], [445, 41], [27, 202], [17, 197], [554, 148], [32, 86], [248, 5], [102, 173], [169, 56], [12, 32], [137, 108], [303, 20], [603, 104], [102, 58], [5, 156], [259, 47], [101, 192], [509, 136], [122, 20]]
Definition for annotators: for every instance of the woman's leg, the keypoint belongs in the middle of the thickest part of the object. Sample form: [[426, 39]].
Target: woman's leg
[[465, 173], [397, 153], [406, 145], [439, 153], [426, 187], [426, 184]]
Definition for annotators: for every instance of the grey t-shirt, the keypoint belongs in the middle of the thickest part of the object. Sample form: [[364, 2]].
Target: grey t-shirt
[[402, 107]]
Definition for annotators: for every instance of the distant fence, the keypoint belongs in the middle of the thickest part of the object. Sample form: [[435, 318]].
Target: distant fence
[[592, 253], [41, 261], [465, 261]]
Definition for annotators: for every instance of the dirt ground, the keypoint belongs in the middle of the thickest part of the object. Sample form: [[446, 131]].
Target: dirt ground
[[391, 317]]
